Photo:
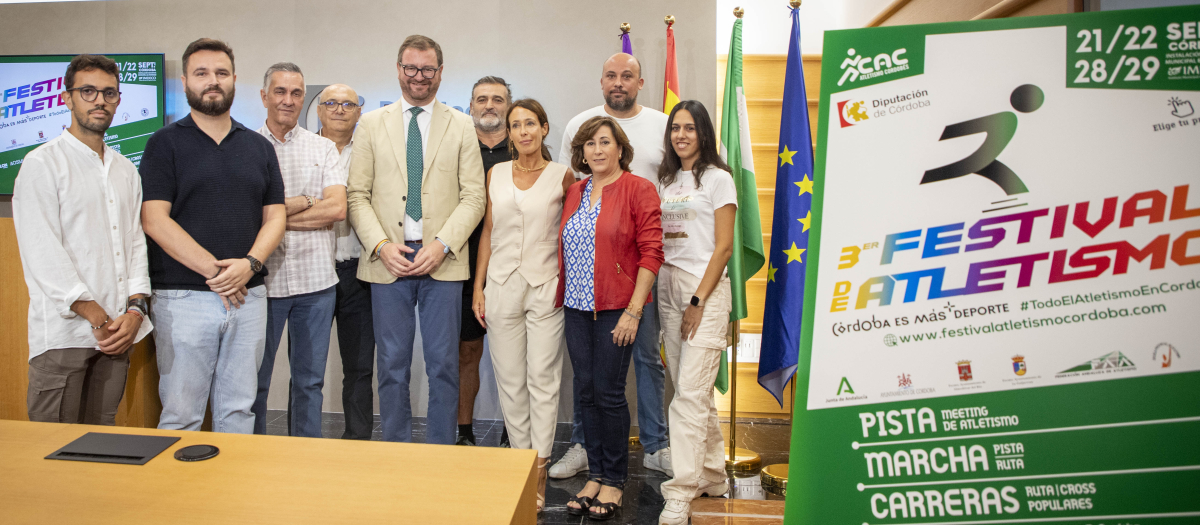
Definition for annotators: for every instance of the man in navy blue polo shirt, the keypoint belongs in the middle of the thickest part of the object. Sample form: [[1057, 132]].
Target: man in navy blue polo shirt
[[213, 208]]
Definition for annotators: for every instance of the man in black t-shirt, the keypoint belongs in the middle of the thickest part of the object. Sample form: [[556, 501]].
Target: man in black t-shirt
[[213, 209], [490, 98]]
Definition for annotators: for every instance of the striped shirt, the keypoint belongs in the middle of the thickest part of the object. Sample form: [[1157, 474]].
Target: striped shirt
[[304, 261]]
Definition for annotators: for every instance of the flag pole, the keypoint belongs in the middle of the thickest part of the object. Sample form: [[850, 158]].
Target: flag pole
[[774, 478], [738, 460]]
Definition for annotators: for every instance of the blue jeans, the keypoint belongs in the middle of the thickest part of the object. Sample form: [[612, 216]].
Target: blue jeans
[[648, 368], [600, 368], [205, 351], [308, 349], [392, 307]]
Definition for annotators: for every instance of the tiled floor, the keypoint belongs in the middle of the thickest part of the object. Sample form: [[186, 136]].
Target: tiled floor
[[642, 501]]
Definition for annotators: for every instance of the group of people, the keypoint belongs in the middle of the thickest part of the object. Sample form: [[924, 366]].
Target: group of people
[[224, 236]]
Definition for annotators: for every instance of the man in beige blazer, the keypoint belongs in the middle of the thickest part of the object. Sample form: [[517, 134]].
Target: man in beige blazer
[[415, 194]]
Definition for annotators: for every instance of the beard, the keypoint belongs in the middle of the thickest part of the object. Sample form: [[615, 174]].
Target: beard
[[431, 88], [489, 123], [86, 122], [624, 104], [211, 108]]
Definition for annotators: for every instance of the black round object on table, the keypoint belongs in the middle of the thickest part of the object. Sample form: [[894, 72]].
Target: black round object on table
[[197, 453]]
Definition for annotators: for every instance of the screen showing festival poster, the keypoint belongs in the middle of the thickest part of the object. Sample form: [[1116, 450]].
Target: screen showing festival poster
[[1003, 316], [31, 111]]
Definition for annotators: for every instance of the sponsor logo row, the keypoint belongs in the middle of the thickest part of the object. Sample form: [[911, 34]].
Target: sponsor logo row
[[1164, 355]]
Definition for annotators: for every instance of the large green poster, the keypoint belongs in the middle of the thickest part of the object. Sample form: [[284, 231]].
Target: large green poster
[[1002, 319]]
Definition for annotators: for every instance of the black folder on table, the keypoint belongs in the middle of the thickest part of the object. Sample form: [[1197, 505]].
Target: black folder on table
[[126, 449]]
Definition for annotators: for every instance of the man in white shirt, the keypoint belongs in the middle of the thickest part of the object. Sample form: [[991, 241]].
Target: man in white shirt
[[620, 82], [77, 209], [338, 110], [301, 281]]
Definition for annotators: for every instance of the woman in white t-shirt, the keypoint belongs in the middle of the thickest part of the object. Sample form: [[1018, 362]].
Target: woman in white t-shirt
[[699, 203]]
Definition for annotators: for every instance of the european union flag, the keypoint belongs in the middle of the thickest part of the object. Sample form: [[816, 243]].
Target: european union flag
[[784, 307]]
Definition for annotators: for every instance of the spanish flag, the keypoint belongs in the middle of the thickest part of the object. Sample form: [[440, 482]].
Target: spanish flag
[[671, 82]]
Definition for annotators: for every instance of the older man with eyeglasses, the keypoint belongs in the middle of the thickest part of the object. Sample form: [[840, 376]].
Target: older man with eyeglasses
[[338, 110], [416, 194], [301, 283]]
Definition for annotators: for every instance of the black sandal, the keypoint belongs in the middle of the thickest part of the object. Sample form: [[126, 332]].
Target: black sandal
[[584, 502], [606, 510]]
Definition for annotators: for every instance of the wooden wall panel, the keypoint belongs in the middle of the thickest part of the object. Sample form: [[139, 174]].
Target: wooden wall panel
[[14, 312], [753, 400], [140, 406], [903, 12]]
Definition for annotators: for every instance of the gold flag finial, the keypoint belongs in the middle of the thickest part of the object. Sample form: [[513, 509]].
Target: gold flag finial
[[625, 27], [670, 20], [738, 12], [794, 3]]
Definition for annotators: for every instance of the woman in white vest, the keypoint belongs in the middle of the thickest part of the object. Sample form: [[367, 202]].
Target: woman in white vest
[[518, 252]]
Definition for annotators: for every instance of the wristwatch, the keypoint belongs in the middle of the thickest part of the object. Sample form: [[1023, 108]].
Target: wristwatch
[[255, 264], [697, 302]]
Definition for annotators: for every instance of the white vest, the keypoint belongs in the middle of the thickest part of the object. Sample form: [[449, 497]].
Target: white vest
[[525, 235]]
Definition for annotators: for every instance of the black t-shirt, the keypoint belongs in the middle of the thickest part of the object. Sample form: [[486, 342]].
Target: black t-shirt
[[217, 193], [491, 157]]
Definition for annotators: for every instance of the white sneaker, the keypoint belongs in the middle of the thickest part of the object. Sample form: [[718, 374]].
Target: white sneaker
[[675, 512], [572, 463], [660, 461], [713, 490]]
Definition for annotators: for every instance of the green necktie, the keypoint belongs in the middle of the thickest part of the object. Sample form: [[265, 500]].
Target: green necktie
[[416, 167]]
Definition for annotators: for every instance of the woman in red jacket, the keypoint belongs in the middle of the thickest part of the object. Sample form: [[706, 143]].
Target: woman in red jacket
[[611, 249]]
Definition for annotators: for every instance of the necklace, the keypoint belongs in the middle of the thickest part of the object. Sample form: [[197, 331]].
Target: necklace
[[522, 168]]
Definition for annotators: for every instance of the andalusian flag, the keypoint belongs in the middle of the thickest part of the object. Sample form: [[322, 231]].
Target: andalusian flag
[[736, 149], [671, 84]]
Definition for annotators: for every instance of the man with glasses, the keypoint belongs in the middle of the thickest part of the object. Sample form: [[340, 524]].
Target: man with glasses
[[213, 209], [338, 111], [416, 194], [77, 209], [300, 275]]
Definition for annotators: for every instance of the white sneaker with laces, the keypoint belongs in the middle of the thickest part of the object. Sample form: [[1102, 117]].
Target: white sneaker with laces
[[572, 463], [675, 512], [660, 461]]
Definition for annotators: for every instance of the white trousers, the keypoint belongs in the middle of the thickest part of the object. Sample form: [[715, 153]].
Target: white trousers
[[697, 448], [525, 337]]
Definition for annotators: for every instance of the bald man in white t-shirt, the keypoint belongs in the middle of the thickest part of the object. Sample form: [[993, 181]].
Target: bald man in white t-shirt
[[646, 128]]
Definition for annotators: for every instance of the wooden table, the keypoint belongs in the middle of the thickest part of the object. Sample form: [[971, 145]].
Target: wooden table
[[263, 479]]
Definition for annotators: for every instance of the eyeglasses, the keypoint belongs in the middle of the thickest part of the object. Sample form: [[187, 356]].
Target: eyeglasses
[[111, 95], [427, 72], [346, 106]]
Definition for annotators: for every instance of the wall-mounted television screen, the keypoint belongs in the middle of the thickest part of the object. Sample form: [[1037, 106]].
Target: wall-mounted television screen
[[32, 113]]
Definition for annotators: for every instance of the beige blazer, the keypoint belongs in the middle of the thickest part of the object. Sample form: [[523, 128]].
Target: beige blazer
[[452, 189]]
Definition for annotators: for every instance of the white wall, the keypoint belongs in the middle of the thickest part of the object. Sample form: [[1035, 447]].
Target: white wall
[[767, 25]]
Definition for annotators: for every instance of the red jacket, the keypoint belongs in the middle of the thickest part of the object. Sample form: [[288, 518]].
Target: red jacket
[[628, 236]]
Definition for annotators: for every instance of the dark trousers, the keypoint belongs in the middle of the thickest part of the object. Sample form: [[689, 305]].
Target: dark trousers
[[600, 367], [356, 343], [394, 307]]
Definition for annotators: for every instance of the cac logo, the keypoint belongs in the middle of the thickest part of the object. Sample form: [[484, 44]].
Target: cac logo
[[851, 112], [862, 68]]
